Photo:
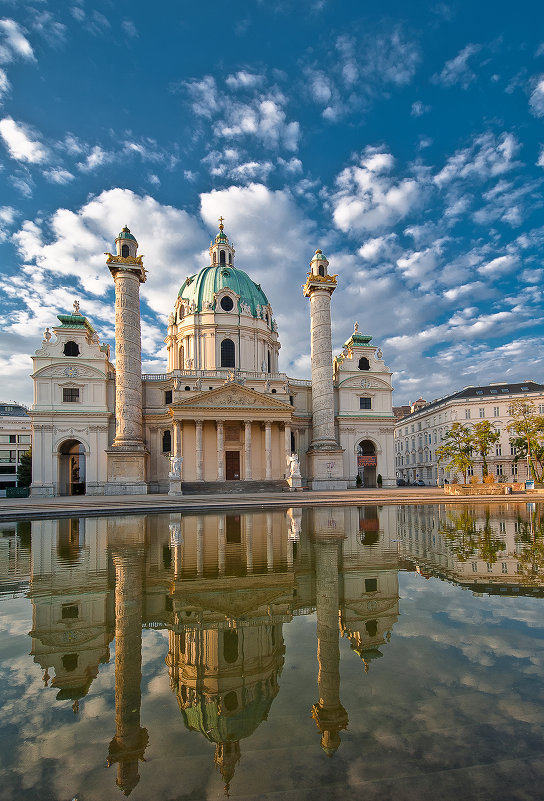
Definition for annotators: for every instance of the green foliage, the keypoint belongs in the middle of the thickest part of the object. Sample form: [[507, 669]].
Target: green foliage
[[484, 436], [527, 436], [457, 449], [24, 470]]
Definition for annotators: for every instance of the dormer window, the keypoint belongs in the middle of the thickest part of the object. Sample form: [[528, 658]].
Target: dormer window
[[71, 349], [125, 251], [226, 303]]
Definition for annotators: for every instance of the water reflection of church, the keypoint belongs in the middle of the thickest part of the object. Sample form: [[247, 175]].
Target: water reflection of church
[[223, 586]]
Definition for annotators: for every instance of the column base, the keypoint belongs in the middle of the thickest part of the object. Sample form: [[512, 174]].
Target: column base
[[295, 482], [326, 469], [127, 472]]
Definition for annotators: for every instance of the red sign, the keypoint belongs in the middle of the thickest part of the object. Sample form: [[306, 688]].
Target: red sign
[[367, 461]]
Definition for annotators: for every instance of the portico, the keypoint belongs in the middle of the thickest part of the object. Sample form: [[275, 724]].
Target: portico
[[230, 434]]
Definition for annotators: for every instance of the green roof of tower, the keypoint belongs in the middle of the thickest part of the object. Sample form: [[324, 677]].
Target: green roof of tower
[[125, 234]]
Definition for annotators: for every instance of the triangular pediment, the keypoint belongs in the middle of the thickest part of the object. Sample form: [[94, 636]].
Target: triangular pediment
[[232, 396]]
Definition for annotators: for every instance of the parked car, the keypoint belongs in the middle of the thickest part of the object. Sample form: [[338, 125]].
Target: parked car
[[420, 483], [401, 482]]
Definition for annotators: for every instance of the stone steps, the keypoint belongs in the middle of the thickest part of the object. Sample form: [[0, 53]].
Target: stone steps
[[232, 487]]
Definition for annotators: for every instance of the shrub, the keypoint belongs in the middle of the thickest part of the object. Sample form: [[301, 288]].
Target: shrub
[[474, 480], [489, 479]]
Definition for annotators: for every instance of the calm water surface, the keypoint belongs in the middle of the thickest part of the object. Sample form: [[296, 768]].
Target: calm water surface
[[335, 653]]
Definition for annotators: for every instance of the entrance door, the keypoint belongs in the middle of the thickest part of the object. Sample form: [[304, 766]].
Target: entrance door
[[232, 464]]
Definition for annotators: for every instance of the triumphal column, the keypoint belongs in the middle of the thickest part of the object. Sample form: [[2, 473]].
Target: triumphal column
[[127, 457], [325, 456]]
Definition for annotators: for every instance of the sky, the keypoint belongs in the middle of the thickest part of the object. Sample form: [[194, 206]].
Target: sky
[[406, 140]]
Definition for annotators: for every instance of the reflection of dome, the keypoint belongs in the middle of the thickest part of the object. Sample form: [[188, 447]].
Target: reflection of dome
[[210, 718], [203, 286]]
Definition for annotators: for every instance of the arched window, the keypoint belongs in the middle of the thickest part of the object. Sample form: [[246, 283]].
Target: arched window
[[227, 353], [364, 364], [71, 349], [166, 442], [125, 251], [222, 257], [230, 259], [322, 271]]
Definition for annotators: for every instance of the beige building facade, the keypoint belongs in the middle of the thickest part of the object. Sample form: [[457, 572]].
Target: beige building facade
[[418, 435], [222, 416]]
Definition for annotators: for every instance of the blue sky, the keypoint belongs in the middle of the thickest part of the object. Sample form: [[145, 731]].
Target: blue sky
[[406, 141]]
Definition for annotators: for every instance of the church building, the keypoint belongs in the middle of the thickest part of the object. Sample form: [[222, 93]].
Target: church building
[[222, 417]]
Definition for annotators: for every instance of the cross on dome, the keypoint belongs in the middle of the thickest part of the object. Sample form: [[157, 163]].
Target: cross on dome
[[221, 226]]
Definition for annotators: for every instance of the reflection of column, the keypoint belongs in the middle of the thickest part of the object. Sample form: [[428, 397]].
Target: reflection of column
[[130, 741], [328, 713], [176, 544], [247, 447], [200, 545], [221, 545], [249, 543], [220, 449], [198, 424], [268, 449], [269, 543]]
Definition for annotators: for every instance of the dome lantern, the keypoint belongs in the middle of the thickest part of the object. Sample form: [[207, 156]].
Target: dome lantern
[[221, 250], [126, 244]]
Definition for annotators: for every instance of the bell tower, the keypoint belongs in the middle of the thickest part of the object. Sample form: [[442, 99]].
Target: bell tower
[[221, 251]]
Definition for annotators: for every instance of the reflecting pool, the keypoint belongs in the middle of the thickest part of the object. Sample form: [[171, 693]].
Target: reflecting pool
[[336, 653]]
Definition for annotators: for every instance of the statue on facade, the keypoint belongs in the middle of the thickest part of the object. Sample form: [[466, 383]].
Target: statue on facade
[[198, 384], [175, 467], [294, 466], [267, 386], [76, 306], [47, 335]]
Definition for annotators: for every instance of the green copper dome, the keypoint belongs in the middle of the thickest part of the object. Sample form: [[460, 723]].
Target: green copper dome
[[125, 234], [202, 287]]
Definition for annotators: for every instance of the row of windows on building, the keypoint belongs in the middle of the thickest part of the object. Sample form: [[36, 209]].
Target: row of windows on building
[[445, 417]]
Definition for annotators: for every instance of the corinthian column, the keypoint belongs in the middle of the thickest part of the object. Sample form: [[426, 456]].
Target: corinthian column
[[268, 450]]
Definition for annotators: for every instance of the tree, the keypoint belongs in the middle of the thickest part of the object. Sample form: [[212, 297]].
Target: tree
[[527, 436], [457, 449], [24, 470], [484, 436]]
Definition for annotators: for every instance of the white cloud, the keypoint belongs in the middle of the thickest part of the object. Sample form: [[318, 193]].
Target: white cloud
[[57, 175], [4, 85], [130, 28], [244, 80], [50, 29], [485, 158], [96, 158], [457, 70], [498, 266], [7, 217], [536, 101], [367, 198], [419, 264], [378, 247], [22, 143], [419, 108], [13, 42]]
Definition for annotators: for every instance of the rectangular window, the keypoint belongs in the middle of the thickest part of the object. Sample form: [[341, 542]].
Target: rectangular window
[[168, 396], [499, 469], [470, 470], [494, 391], [70, 395], [70, 611], [24, 439], [482, 411], [467, 414], [475, 567], [371, 585], [495, 411], [541, 409], [489, 567], [504, 567], [498, 450], [365, 403], [515, 469], [7, 456]]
